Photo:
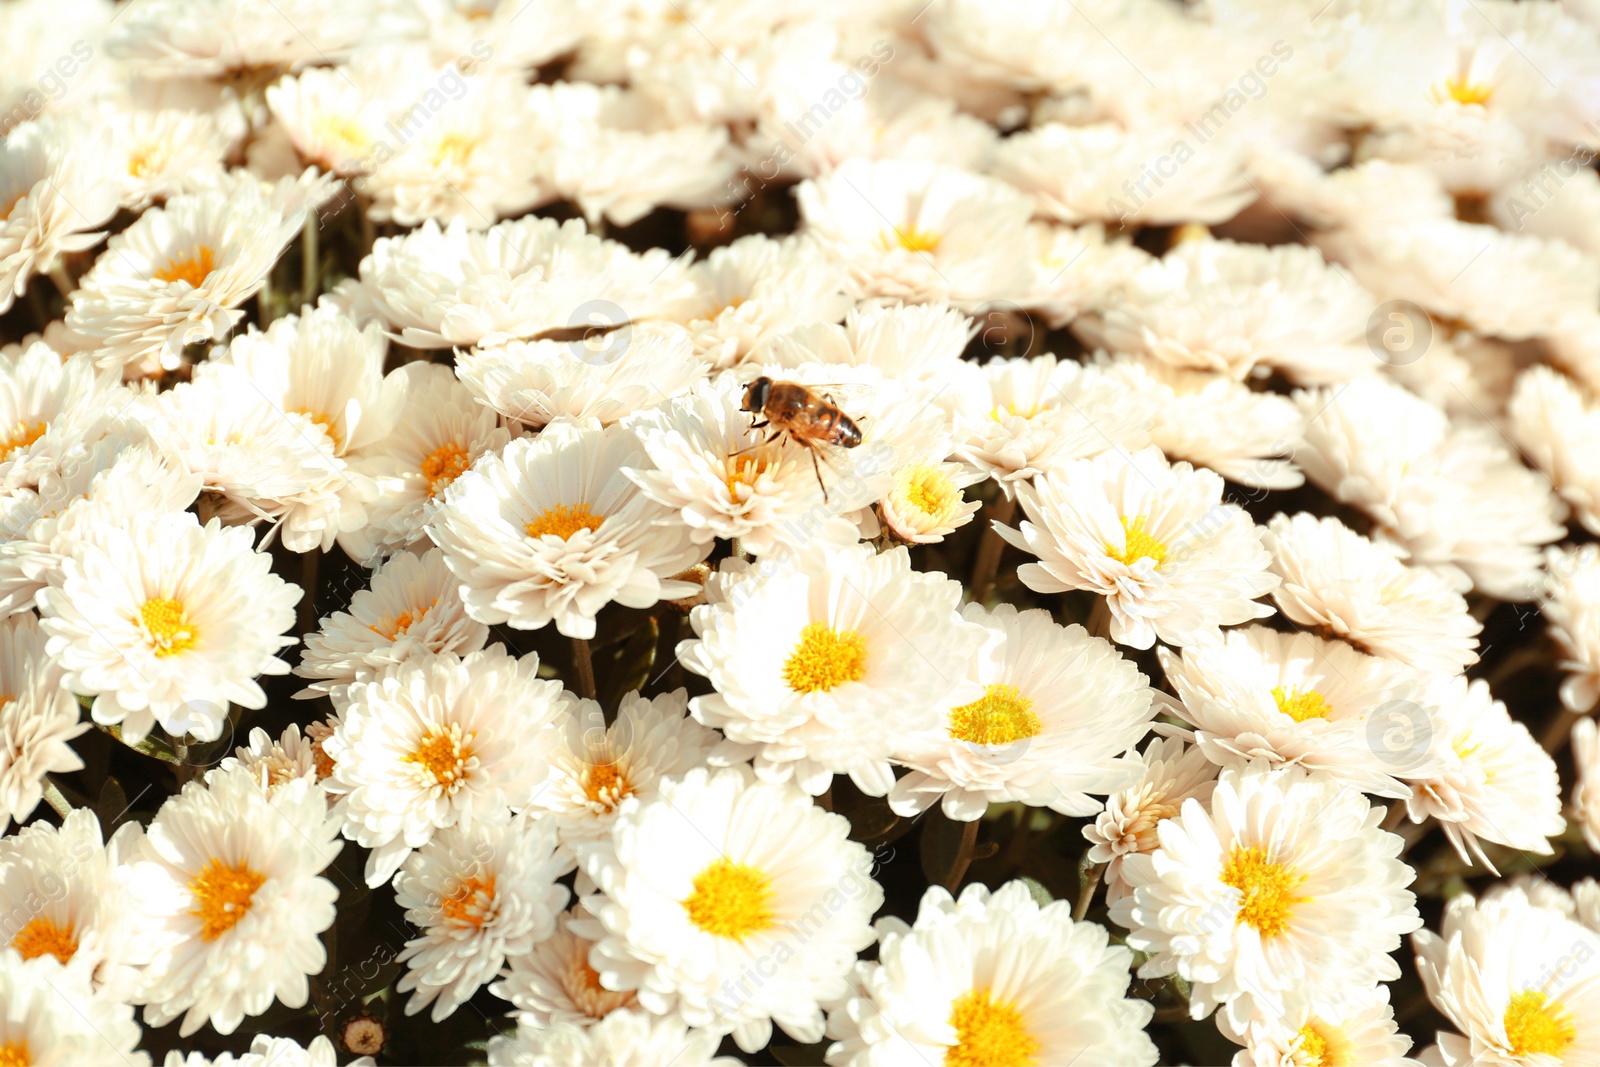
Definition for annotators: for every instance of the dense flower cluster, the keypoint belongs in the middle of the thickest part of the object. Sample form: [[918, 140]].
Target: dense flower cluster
[[755, 439]]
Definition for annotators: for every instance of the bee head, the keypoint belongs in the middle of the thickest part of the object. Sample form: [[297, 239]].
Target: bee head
[[755, 395]]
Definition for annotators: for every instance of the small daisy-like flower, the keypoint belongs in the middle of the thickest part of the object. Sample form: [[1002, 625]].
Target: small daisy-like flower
[[926, 504], [228, 886], [1586, 794], [50, 405], [597, 766], [1295, 698], [1037, 415], [269, 1051], [53, 1016], [1287, 880], [1075, 268], [156, 155], [920, 232], [992, 978], [1350, 587], [411, 611], [441, 432], [1031, 736], [439, 742], [1497, 784], [37, 719], [822, 660], [1172, 560], [621, 1037], [1558, 428], [478, 893], [60, 890], [552, 530], [146, 619], [553, 983], [606, 378], [1352, 1025], [273, 763], [52, 190], [179, 273], [705, 911], [1172, 773], [917, 343], [1521, 983]]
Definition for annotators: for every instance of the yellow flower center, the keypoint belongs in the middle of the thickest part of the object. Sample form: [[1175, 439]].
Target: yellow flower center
[[43, 936], [222, 895], [444, 465], [1463, 90], [471, 902], [910, 239], [15, 1054], [730, 900], [825, 658], [1321, 1047], [442, 754], [563, 521], [604, 783], [325, 421], [401, 622], [989, 1034], [1299, 705], [928, 490], [168, 625], [1002, 715], [454, 149], [146, 160], [21, 435], [1266, 889], [1136, 544], [744, 471], [344, 131], [194, 270], [1534, 1026]]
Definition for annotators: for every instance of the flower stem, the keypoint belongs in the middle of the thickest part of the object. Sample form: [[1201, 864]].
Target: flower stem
[[987, 561], [583, 668], [63, 280], [1091, 882], [958, 869], [309, 265], [53, 797], [1554, 738]]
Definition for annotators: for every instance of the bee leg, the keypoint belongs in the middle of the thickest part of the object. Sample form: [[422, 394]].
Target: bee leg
[[817, 469]]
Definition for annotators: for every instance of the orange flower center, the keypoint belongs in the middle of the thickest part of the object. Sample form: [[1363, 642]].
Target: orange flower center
[[444, 465], [222, 895], [471, 903], [43, 936], [563, 521], [194, 270]]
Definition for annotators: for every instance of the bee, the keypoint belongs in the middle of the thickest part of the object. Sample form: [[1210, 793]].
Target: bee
[[808, 419]]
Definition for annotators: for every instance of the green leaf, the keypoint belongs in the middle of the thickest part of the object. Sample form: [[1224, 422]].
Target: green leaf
[[1041, 895]]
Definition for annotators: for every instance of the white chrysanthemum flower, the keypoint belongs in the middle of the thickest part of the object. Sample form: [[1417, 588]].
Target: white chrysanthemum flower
[[1172, 773], [439, 742], [177, 38], [179, 273], [553, 983], [824, 659], [1227, 308], [442, 431], [273, 762], [917, 343], [1571, 606], [921, 232], [706, 912], [52, 190], [926, 504], [1296, 698], [606, 377], [1497, 783], [37, 719], [458, 287], [1558, 428], [1586, 793], [1350, 587], [1038, 415], [61, 892], [146, 619], [1455, 495], [597, 766], [1351, 1025], [613, 154], [1155, 539], [1032, 736], [523, 36], [335, 116], [478, 893], [228, 886], [1076, 268], [1104, 172], [156, 155], [1214, 421], [412, 610], [756, 288], [621, 1037], [1521, 983], [50, 405], [552, 530], [1285, 883], [992, 978], [53, 1016], [269, 1051]]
